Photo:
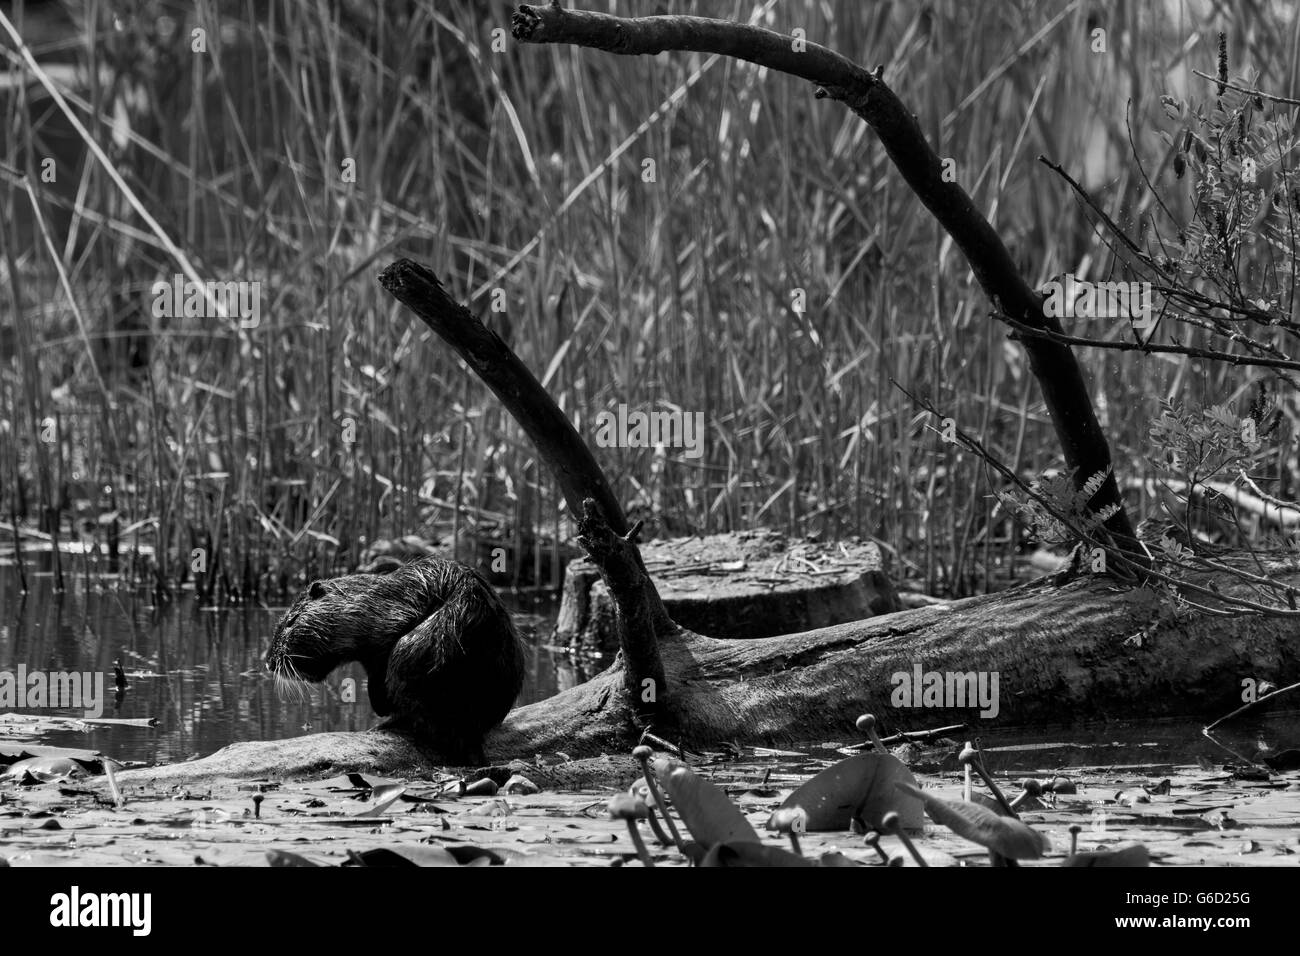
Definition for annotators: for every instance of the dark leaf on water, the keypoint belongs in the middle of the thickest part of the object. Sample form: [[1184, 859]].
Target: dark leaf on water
[[1253, 774], [476, 856], [694, 852], [751, 854], [1135, 855], [1286, 760], [859, 787], [384, 798], [1003, 836], [988, 803], [1060, 785], [414, 854], [1129, 798], [285, 858], [706, 811], [520, 784]]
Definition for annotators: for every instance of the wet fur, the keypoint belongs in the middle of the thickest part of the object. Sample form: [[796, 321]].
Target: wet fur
[[442, 658]]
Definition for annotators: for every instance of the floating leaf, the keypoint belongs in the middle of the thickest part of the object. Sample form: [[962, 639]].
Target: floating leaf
[[476, 855], [43, 769], [706, 811], [1132, 797], [745, 853], [521, 785], [1060, 785], [285, 858], [835, 858], [861, 788], [1286, 760], [384, 796], [1001, 835], [1135, 855], [989, 803], [404, 854]]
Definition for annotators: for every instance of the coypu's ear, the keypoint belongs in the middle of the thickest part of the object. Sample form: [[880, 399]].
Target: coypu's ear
[[318, 589]]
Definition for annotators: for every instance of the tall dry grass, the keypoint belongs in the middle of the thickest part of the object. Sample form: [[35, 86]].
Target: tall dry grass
[[518, 175]]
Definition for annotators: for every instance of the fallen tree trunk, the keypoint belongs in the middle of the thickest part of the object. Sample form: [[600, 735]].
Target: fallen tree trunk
[[1084, 651]]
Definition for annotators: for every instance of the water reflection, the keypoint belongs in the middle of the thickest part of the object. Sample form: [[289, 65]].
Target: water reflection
[[198, 671]]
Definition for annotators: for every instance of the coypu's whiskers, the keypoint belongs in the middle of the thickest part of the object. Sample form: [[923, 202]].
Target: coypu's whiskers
[[283, 687], [290, 687], [299, 687]]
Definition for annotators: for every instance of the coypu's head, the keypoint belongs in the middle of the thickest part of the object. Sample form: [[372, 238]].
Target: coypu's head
[[323, 629]]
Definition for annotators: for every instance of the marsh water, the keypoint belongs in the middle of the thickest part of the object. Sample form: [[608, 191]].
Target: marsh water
[[198, 672]]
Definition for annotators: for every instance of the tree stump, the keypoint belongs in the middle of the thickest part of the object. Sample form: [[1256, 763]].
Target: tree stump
[[741, 585]]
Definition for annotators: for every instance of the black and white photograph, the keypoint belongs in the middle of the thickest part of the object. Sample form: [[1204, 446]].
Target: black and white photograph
[[649, 434]]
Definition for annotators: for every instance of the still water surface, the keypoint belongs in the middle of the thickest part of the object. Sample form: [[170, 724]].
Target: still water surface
[[197, 670]]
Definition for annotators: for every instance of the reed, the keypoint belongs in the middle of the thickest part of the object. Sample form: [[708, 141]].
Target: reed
[[278, 450]]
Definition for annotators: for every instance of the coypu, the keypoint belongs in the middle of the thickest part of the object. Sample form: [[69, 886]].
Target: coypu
[[442, 658]]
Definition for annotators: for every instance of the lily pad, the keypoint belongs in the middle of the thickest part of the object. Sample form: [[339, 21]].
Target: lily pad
[[706, 811], [411, 854], [1004, 836], [1135, 855], [858, 788], [44, 769], [751, 854]]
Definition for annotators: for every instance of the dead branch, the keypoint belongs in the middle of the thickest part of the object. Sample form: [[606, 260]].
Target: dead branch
[[1066, 394]]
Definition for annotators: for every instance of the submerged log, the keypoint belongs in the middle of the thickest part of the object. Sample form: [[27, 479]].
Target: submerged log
[[1087, 650]]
